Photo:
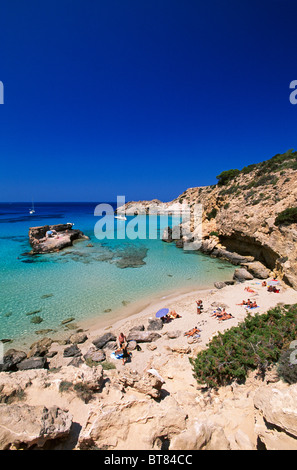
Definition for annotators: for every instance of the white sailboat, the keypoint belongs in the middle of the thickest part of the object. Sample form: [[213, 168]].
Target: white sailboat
[[120, 217], [32, 210]]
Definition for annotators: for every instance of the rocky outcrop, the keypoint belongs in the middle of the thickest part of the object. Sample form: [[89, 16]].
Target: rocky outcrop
[[238, 218], [63, 235], [129, 410], [25, 427]]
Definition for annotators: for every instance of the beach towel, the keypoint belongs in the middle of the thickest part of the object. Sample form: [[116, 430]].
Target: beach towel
[[117, 356], [120, 355]]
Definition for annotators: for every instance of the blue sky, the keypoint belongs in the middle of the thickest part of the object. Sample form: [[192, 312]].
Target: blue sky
[[141, 98]]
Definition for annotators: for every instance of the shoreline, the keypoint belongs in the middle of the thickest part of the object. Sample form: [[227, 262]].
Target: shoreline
[[105, 320], [171, 341], [183, 301]]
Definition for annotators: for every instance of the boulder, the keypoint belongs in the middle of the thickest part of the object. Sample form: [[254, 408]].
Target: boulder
[[78, 338], [241, 275], [220, 285], [40, 348], [32, 363], [10, 360], [257, 269], [96, 355], [149, 384], [231, 256], [101, 341], [155, 324], [131, 345], [90, 377], [173, 334], [143, 336], [138, 328], [24, 426], [76, 362], [72, 351]]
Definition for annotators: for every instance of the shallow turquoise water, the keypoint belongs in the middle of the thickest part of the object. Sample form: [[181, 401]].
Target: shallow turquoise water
[[82, 282]]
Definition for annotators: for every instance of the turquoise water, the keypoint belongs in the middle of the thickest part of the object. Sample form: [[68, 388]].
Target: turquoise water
[[83, 282]]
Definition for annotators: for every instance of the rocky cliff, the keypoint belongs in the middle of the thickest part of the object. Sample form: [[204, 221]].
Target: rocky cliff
[[239, 218]]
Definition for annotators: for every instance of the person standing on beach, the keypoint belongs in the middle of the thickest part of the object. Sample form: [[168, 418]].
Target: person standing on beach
[[199, 306], [122, 344]]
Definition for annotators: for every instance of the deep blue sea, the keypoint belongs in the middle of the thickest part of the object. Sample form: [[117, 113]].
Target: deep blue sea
[[86, 281]]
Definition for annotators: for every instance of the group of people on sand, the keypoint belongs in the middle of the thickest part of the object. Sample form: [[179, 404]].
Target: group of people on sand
[[170, 316], [248, 303], [221, 314], [273, 289]]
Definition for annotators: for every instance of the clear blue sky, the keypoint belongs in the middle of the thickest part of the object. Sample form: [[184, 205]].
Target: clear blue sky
[[143, 98]]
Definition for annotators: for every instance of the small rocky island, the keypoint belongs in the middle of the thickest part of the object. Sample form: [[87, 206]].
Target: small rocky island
[[52, 238]]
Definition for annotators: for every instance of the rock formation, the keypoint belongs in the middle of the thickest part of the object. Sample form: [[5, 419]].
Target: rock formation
[[24, 426], [239, 217], [63, 236]]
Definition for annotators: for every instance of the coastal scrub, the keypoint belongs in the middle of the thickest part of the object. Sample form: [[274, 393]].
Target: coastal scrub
[[255, 343]]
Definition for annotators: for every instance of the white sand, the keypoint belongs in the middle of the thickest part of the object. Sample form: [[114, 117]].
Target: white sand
[[185, 305]]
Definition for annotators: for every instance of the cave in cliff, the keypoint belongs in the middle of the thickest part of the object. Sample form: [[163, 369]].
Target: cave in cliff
[[247, 246]]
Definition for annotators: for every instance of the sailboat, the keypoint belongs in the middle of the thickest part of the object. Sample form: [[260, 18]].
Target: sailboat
[[32, 210], [120, 217]]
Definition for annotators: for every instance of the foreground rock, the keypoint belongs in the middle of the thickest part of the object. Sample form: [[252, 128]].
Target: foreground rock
[[143, 336], [241, 275], [24, 426], [63, 235]]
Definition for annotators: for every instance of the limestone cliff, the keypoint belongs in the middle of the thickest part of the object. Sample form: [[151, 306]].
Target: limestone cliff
[[239, 214]]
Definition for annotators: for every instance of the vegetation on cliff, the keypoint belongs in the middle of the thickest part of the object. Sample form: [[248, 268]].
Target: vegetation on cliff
[[256, 343], [288, 216], [263, 171]]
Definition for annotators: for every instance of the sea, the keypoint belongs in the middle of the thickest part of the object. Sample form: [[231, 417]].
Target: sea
[[94, 277]]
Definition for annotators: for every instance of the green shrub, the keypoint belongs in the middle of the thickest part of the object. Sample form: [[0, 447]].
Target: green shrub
[[248, 169], [213, 234], [254, 344], [212, 214], [288, 216], [226, 176], [106, 365]]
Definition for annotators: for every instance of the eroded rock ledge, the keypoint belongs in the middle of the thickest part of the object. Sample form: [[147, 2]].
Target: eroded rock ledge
[[62, 236]]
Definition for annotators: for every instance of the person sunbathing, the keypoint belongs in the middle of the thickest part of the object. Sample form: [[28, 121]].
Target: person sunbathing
[[219, 313], [249, 289], [227, 316], [192, 332], [173, 315]]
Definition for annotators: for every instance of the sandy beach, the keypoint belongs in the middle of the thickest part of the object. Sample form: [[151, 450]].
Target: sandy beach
[[172, 338]]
